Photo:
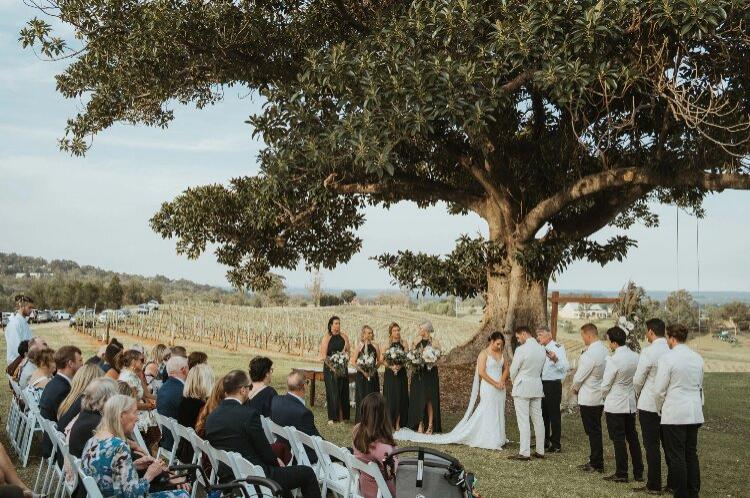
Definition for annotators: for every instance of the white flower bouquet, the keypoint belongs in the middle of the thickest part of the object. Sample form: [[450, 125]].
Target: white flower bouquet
[[366, 362], [395, 357], [339, 363], [430, 356], [423, 358]]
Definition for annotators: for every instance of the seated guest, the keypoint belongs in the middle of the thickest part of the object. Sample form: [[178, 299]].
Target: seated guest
[[71, 405], [262, 393], [214, 400], [196, 358], [107, 458], [14, 368], [92, 402], [372, 440], [67, 360], [44, 360], [130, 365], [178, 351], [198, 384], [169, 397], [235, 426], [9, 478], [290, 410], [110, 359], [28, 367], [156, 368]]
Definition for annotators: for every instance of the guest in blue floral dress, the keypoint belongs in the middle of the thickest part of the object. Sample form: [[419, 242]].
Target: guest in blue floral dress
[[106, 456]]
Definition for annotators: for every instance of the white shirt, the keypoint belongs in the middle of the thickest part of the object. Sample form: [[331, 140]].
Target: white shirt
[[617, 381], [16, 331], [643, 382], [678, 388], [588, 377], [526, 370], [555, 370]]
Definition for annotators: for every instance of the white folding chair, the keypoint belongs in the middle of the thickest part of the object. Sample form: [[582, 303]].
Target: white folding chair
[[50, 483], [266, 423], [32, 427], [166, 424], [17, 418], [245, 469], [311, 442], [297, 448], [182, 433], [199, 450], [339, 476], [89, 483], [138, 438], [372, 470]]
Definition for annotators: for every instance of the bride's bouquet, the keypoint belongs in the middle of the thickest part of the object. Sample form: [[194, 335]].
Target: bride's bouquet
[[395, 357], [339, 363], [366, 362]]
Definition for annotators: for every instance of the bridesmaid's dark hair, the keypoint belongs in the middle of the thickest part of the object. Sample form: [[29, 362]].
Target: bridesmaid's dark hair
[[375, 424], [330, 322], [495, 336]]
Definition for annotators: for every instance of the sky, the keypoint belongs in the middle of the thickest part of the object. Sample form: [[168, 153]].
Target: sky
[[95, 210]]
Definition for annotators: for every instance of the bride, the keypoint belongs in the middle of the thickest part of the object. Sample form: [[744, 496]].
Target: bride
[[483, 427]]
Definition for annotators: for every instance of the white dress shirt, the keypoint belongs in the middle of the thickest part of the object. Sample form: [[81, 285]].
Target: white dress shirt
[[678, 388], [588, 377], [617, 381], [555, 370], [16, 331], [643, 382], [526, 370]]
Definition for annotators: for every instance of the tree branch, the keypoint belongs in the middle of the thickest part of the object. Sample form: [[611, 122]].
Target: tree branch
[[405, 188], [350, 19], [615, 178]]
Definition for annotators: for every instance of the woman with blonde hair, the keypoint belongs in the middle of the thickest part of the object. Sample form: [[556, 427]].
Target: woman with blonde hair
[[130, 364], [71, 405], [94, 397], [156, 368], [106, 456], [198, 384], [366, 360], [214, 399], [44, 359]]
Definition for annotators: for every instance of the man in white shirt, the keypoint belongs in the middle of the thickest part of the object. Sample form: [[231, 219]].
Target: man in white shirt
[[620, 406], [18, 328], [587, 385], [555, 369], [678, 392], [526, 375], [643, 382]]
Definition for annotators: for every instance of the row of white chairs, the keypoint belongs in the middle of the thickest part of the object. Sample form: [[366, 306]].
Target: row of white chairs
[[336, 469]]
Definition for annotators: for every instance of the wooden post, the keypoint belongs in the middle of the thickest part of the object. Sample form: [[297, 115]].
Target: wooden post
[[553, 314]]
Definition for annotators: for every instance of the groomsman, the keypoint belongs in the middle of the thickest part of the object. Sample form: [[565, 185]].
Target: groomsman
[[587, 384], [678, 392], [555, 369], [620, 406], [643, 382], [526, 375]]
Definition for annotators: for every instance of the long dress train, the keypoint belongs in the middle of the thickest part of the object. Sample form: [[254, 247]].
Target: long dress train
[[483, 427]]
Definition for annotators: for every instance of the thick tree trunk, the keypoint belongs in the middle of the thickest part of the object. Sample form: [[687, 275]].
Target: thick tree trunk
[[513, 299]]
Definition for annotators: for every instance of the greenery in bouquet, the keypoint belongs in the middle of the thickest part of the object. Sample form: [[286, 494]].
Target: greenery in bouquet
[[339, 363], [395, 357], [367, 363]]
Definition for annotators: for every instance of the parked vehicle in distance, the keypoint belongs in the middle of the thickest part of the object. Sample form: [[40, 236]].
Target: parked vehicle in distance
[[6, 318], [112, 315], [42, 316], [84, 316], [153, 304], [143, 309], [61, 315]]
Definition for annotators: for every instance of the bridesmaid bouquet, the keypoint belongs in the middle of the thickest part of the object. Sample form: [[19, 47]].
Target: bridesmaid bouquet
[[430, 356], [395, 357], [339, 363], [423, 358], [366, 363]]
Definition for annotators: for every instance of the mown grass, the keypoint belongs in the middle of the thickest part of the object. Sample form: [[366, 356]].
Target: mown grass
[[724, 441]]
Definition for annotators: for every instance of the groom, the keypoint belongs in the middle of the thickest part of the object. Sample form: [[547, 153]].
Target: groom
[[526, 375]]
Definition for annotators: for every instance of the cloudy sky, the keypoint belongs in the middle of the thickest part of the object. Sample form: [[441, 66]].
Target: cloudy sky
[[95, 210]]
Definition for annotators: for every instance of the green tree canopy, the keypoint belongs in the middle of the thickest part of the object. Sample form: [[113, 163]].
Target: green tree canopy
[[550, 120]]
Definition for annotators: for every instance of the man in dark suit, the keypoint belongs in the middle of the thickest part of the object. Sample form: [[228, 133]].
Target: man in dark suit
[[290, 410], [169, 396], [67, 360], [235, 426]]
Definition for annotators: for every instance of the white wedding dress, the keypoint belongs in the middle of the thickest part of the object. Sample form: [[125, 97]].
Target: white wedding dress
[[483, 427]]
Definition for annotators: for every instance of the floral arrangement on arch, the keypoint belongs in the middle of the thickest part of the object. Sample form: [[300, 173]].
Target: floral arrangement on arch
[[631, 313]]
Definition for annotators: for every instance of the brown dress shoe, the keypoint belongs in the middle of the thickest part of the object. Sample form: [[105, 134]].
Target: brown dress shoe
[[537, 455], [519, 457], [616, 478]]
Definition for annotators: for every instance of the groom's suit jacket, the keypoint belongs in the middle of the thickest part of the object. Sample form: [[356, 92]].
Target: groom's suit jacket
[[526, 370]]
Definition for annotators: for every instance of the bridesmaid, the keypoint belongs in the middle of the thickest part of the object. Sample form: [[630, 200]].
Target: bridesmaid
[[337, 388], [424, 396], [395, 382], [364, 382]]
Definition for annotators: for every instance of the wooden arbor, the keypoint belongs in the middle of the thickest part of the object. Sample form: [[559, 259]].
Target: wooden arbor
[[556, 299]]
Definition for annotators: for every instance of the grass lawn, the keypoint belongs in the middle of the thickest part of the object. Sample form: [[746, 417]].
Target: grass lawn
[[724, 441]]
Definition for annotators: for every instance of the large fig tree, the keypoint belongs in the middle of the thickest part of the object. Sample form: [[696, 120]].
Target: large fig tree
[[550, 120]]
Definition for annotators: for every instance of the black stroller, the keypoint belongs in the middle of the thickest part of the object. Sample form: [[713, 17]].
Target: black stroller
[[430, 474], [264, 487]]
